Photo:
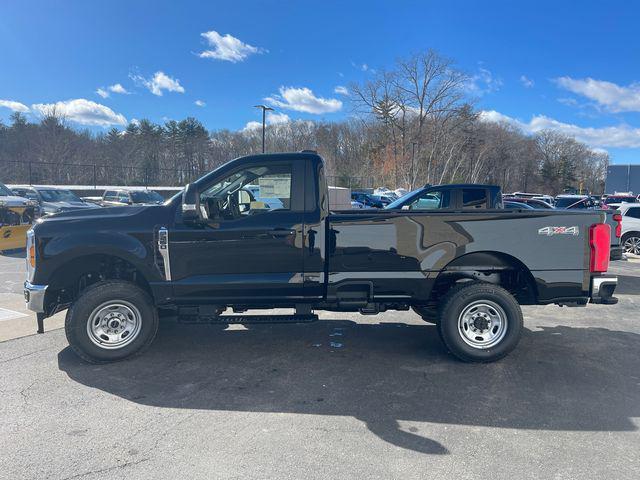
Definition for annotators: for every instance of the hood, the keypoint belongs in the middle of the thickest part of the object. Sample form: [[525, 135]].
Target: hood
[[13, 201], [67, 206], [91, 212]]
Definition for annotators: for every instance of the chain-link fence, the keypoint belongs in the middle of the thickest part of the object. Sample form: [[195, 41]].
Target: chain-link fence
[[42, 173]]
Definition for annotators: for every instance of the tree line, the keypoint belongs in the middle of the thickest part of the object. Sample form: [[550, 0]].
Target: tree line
[[413, 124]]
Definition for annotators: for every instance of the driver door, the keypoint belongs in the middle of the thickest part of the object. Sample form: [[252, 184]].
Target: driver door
[[248, 246]]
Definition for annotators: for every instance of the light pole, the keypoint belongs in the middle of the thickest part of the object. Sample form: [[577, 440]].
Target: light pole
[[264, 117]]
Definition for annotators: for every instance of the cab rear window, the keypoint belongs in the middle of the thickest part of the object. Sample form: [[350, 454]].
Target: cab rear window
[[474, 198]]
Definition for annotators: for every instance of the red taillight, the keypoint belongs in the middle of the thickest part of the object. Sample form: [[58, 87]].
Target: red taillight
[[618, 218], [600, 243]]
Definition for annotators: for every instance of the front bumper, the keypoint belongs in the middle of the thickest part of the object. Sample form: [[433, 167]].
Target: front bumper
[[602, 289], [34, 296]]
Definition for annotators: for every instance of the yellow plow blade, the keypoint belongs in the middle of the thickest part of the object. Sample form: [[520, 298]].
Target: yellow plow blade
[[13, 237]]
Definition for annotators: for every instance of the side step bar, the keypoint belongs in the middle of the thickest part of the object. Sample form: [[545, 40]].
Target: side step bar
[[248, 319]]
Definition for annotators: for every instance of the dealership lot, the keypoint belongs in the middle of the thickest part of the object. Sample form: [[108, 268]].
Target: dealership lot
[[345, 397]]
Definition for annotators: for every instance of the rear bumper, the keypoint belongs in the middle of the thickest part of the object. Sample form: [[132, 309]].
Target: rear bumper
[[602, 289], [34, 296], [616, 253]]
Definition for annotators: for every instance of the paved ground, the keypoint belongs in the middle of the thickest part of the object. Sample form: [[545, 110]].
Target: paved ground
[[281, 402]]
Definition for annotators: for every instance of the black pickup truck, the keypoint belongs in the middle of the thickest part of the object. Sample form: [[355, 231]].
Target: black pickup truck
[[214, 247]]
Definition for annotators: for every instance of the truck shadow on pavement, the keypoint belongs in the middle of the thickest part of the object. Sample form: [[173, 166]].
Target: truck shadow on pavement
[[559, 378], [628, 285]]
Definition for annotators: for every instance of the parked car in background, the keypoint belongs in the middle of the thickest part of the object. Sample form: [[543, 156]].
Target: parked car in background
[[587, 202], [450, 197], [567, 201], [367, 199], [385, 199], [516, 205], [617, 199], [384, 192], [52, 199], [532, 202], [121, 197], [630, 239], [16, 216], [538, 196], [355, 204], [400, 192]]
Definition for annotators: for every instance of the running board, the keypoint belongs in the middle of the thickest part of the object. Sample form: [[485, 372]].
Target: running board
[[247, 319], [305, 318]]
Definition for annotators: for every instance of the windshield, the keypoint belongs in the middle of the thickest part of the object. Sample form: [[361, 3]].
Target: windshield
[[55, 195], [4, 191], [147, 196]]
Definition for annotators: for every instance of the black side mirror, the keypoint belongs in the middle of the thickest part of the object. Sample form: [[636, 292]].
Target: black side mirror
[[191, 205]]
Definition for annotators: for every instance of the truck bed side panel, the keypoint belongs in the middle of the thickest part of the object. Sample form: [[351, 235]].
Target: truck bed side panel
[[402, 253]]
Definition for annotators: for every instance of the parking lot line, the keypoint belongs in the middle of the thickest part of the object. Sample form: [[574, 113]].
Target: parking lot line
[[6, 314]]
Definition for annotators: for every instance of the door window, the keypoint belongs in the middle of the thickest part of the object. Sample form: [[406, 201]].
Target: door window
[[633, 212], [473, 198], [251, 191]]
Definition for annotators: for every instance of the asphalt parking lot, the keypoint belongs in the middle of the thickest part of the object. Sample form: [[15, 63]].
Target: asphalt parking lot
[[345, 397]]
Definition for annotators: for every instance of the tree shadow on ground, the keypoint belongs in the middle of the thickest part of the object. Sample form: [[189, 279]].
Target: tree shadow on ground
[[559, 378]]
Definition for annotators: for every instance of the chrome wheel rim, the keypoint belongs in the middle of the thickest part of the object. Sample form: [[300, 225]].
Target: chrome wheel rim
[[632, 245], [114, 324], [482, 324]]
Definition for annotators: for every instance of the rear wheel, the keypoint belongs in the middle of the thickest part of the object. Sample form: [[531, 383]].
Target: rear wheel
[[110, 321], [631, 243], [480, 322]]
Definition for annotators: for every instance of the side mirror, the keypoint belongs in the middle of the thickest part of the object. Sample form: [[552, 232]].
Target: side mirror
[[190, 205]]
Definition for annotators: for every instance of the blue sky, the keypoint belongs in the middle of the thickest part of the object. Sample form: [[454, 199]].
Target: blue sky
[[565, 65]]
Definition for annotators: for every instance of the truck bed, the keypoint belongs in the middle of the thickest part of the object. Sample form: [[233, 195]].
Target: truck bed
[[396, 251]]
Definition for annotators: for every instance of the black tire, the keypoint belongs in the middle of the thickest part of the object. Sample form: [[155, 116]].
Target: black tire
[[429, 315], [470, 295], [97, 295]]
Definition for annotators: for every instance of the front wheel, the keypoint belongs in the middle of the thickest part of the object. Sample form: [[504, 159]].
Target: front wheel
[[110, 321], [480, 322]]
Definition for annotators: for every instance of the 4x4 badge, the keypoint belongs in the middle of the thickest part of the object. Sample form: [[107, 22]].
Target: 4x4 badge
[[550, 231]]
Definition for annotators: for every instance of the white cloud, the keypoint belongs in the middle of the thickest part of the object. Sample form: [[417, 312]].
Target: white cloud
[[527, 82], [118, 88], [115, 88], [609, 95], [341, 90], [619, 136], [200, 103], [483, 82], [271, 119], [303, 100], [227, 47], [159, 82], [13, 105], [82, 111]]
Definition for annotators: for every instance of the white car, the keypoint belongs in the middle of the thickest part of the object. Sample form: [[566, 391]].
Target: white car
[[630, 239]]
